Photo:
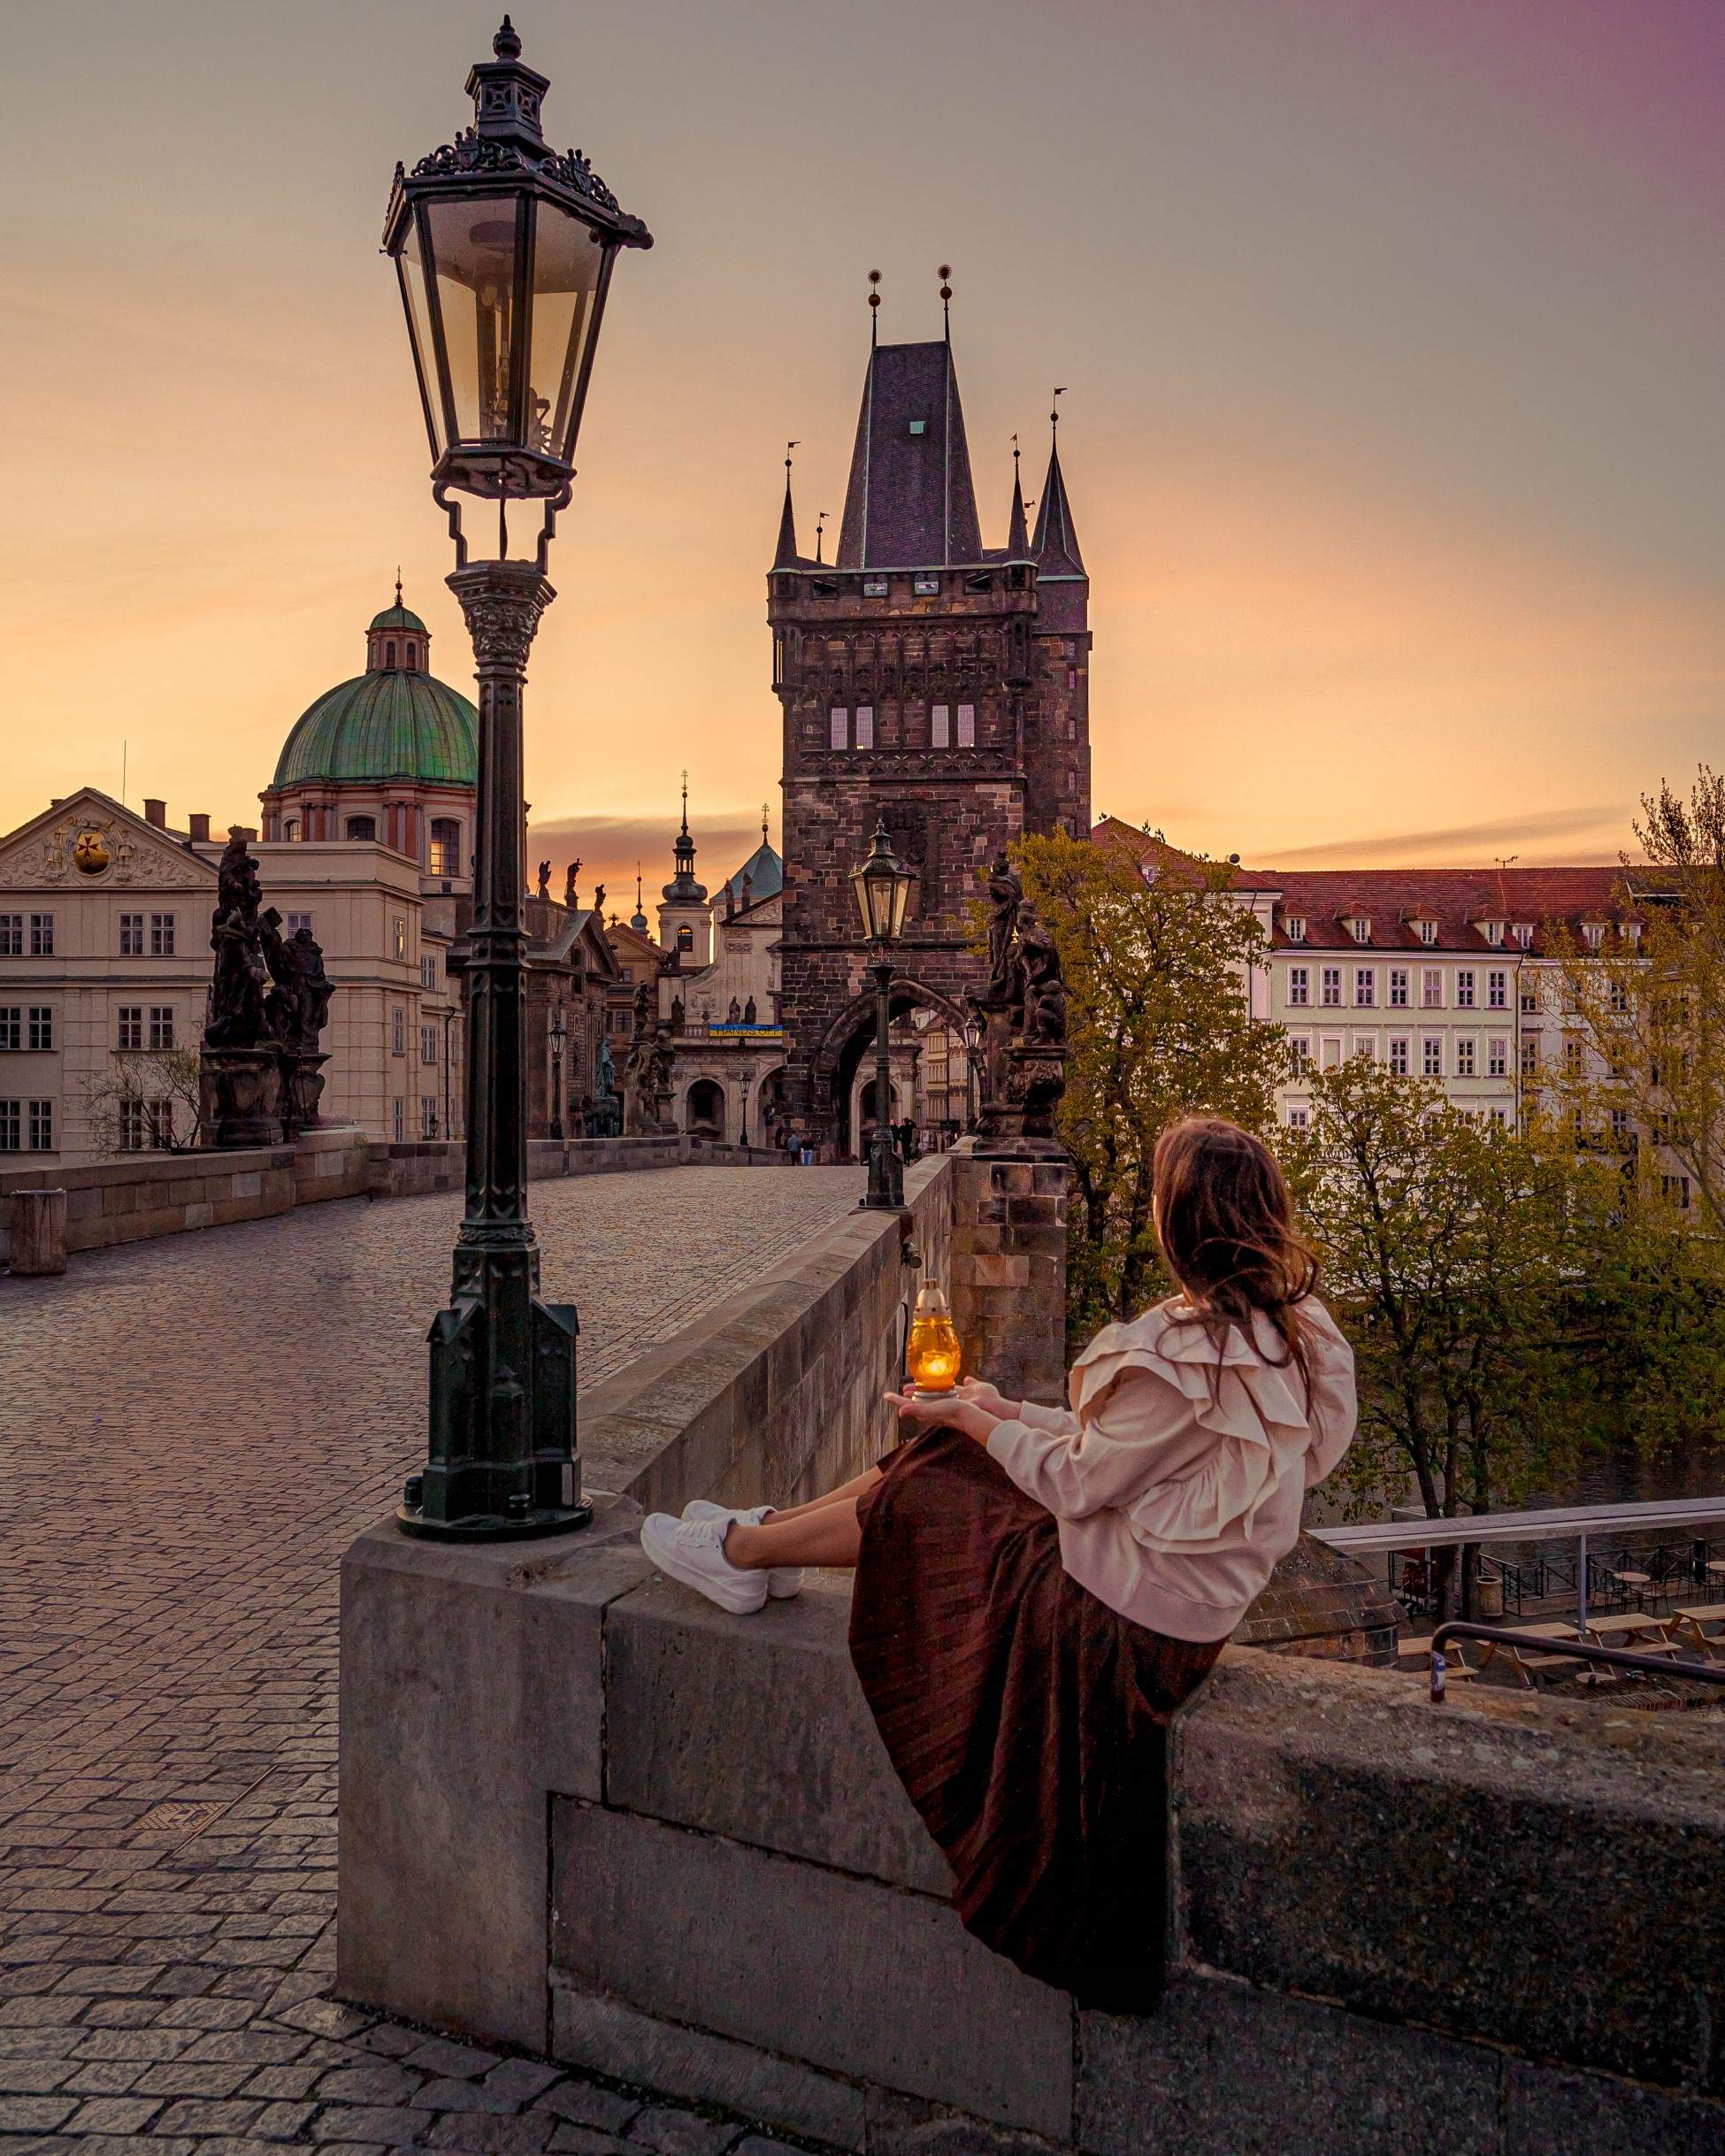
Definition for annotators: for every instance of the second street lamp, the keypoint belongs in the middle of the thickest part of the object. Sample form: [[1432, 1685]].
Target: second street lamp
[[883, 887], [503, 248], [559, 1036], [973, 1036]]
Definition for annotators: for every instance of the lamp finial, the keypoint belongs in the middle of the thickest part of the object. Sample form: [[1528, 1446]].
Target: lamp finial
[[507, 43]]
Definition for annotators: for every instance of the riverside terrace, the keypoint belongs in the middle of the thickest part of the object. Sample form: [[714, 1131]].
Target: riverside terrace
[[627, 1834]]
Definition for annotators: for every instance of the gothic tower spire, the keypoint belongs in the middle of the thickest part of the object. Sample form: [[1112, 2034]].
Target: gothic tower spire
[[785, 557], [1018, 544]]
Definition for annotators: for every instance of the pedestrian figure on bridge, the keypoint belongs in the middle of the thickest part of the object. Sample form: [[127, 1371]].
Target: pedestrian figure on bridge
[[1038, 1590]]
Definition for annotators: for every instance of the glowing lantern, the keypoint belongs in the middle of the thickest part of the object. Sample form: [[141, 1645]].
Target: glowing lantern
[[932, 1356]]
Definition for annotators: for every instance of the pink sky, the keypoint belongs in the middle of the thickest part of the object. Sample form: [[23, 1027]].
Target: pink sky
[[1391, 333]]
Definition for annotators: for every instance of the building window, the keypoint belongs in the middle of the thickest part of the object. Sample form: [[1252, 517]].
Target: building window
[[290, 829], [158, 1122], [1299, 986], [131, 935], [427, 1117], [1295, 925], [427, 1044], [686, 938], [1493, 932], [966, 726], [445, 845], [1300, 1047], [11, 935], [1497, 990], [1398, 1056], [398, 930], [839, 722], [297, 921], [398, 1118], [1399, 986], [1362, 931], [1530, 1055], [1572, 1061], [1432, 1055], [1332, 985], [129, 1030], [161, 935], [1618, 997], [1431, 988], [1524, 934], [11, 1126], [40, 1126], [398, 1031], [42, 935], [11, 1025], [1464, 1057], [1464, 989], [428, 972], [1299, 1118], [1365, 984], [1428, 931], [1497, 1057], [1365, 1047], [131, 1126], [161, 1026], [940, 726], [865, 725], [362, 827], [40, 1032], [1619, 1129]]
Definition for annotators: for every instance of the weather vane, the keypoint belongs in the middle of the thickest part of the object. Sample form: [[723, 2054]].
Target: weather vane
[[1053, 416]]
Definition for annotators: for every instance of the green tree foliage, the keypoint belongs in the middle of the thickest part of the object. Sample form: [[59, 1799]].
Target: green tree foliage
[[1157, 961]]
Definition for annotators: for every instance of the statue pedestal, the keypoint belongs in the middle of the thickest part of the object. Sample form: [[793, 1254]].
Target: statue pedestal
[[302, 1089], [240, 1092], [1025, 1082]]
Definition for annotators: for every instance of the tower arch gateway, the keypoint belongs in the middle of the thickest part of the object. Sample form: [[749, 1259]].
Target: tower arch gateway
[[927, 682]]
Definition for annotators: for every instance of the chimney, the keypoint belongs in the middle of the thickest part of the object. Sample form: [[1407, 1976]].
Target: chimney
[[155, 814], [199, 826], [243, 831]]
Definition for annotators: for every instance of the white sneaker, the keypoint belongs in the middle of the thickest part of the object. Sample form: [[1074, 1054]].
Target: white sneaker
[[782, 1581], [693, 1551]]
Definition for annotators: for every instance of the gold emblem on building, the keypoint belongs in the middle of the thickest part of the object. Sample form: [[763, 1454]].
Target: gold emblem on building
[[89, 853]]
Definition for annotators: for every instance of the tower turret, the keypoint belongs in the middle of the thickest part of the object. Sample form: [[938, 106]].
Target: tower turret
[[685, 914]]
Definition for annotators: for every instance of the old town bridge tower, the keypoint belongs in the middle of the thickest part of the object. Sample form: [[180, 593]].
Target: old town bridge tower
[[927, 680]]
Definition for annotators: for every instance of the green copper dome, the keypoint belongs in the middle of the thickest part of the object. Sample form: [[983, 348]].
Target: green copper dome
[[387, 724], [399, 617]]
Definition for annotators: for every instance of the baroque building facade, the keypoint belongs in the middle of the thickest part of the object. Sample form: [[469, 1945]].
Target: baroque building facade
[[929, 683]]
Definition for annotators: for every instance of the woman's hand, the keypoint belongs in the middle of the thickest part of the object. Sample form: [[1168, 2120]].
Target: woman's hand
[[948, 1411], [981, 1393]]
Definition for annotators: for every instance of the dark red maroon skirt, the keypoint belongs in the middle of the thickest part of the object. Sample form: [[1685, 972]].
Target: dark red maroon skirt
[[1026, 1719]]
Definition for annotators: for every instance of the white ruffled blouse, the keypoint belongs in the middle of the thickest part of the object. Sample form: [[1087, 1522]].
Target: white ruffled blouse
[[1178, 1481]]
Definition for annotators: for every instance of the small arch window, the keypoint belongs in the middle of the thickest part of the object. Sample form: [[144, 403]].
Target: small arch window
[[445, 845], [363, 827], [389, 652]]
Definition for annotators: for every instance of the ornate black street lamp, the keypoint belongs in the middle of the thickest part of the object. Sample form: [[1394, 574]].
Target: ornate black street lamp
[[504, 248], [559, 1035], [971, 1031], [883, 886]]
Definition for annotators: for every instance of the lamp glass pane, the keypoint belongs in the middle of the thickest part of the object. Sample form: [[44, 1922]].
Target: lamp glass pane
[[567, 263], [900, 889], [411, 270], [474, 260]]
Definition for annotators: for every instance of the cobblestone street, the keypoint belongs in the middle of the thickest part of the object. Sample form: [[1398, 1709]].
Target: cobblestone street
[[191, 1431]]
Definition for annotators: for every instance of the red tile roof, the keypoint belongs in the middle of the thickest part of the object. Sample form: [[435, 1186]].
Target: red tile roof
[[1391, 898]]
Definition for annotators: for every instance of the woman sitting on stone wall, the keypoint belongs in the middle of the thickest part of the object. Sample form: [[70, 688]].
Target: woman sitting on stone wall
[[1038, 1591]]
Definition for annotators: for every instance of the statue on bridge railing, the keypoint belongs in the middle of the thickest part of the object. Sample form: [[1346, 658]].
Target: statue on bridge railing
[[261, 1071], [1022, 1011]]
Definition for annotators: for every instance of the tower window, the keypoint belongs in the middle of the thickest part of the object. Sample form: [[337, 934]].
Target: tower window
[[966, 726], [874, 587], [686, 938], [919, 426], [445, 845], [389, 653], [865, 725], [925, 587], [362, 827], [940, 726], [838, 720]]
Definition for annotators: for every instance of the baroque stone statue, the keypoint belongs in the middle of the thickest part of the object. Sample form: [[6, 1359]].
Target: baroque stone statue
[[1006, 895]]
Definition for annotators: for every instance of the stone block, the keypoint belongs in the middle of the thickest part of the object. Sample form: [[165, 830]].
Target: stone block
[[604, 2036], [471, 1686], [845, 1975], [1547, 2113], [247, 1185], [696, 1706], [200, 1216], [1001, 1271], [1495, 1868], [38, 1238], [1219, 2069]]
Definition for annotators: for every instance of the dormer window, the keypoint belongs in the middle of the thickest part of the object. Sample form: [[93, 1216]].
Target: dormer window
[[1295, 925], [1360, 927], [1492, 931], [1428, 929], [1594, 932], [1631, 931], [1524, 934]]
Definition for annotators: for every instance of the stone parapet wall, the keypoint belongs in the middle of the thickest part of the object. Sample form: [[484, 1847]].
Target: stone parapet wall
[[411, 1169], [1492, 1929]]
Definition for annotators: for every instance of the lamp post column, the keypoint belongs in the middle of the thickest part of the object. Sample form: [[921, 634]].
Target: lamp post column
[[885, 1168], [501, 1456], [559, 1036]]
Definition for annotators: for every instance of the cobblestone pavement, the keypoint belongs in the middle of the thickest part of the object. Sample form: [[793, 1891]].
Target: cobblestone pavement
[[191, 1431]]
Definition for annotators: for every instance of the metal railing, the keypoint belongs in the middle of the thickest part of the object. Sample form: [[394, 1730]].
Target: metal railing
[[1512, 1636]]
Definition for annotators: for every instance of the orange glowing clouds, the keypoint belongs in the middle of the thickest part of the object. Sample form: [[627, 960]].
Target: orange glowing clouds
[[1391, 338]]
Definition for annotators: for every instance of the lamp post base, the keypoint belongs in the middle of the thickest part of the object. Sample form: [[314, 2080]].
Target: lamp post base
[[494, 1527]]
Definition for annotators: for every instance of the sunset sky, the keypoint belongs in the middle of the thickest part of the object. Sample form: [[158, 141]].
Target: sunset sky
[[1394, 334]]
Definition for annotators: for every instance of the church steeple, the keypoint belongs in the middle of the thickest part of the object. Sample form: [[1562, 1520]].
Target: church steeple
[[683, 889], [912, 503], [785, 555], [685, 915], [1055, 545], [1018, 544]]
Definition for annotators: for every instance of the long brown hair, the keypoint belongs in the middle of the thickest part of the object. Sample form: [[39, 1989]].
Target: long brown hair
[[1226, 1226]]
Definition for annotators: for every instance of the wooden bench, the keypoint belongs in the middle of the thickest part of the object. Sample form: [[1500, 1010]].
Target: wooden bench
[[1454, 1668], [1691, 1626]]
